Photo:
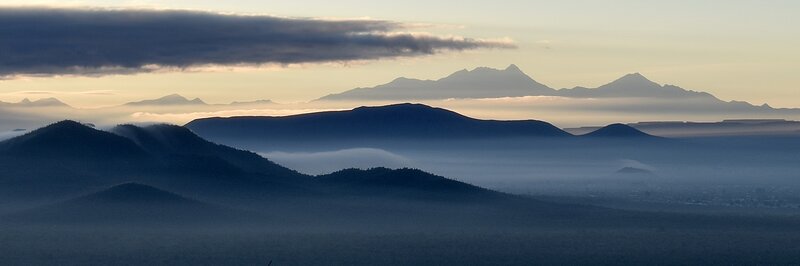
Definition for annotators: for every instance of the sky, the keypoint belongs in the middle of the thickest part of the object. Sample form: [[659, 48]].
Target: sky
[[736, 50]]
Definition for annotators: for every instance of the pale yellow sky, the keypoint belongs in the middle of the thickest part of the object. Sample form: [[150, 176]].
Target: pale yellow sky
[[737, 50]]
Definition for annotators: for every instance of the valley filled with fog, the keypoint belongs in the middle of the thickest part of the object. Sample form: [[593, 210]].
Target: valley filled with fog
[[744, 173]]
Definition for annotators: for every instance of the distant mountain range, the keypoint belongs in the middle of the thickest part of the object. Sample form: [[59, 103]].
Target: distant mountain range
[[175, 100], [44, 102], [478, 83], [178, 100], [172, 99], [512, 82]]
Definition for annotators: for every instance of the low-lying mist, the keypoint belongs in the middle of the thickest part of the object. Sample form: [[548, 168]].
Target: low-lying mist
[[324, 162]]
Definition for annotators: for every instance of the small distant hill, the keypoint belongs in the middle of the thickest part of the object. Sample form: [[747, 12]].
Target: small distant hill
[[169, 100], [129, 203], [634, 170], [399, 121], [619, 131], [134, 193], [402, 183]]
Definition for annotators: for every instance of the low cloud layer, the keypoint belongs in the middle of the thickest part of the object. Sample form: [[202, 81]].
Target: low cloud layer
[[48, 41], [326, 162]]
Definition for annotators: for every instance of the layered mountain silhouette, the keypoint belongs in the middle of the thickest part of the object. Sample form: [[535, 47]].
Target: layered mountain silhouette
[[108, 172], [166, 175], [68, 157], [399, 121]]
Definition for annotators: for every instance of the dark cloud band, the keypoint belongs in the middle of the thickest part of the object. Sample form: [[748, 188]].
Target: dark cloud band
[[43, 41]]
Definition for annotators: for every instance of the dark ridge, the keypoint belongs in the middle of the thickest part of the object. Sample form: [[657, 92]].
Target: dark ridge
[[399, 121], [618, 131], [410, 183], [71, 139]]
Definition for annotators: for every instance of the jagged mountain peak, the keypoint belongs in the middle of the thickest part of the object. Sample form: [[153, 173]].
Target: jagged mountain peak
[[632, 81], [481, 82]]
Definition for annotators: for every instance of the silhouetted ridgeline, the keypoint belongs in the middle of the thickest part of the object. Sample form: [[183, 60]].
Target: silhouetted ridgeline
[[478, 83], [400, 121], [485, 82]]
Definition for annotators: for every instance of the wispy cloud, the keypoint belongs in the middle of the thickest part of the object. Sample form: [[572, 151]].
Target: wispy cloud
[[58, 41]]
